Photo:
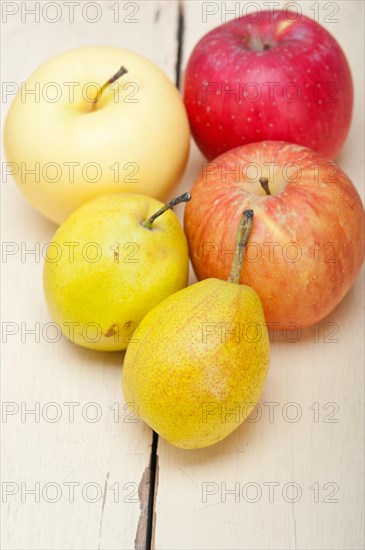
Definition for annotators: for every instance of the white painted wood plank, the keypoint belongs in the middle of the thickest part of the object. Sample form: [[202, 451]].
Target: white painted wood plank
[[112, 455], [325, 445]]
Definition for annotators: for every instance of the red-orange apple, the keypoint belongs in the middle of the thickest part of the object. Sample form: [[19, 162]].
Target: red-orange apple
[[271, 75], [307, 242]]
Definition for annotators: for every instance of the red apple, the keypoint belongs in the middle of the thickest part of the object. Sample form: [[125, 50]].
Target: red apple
[[273, 75], [307, 243]]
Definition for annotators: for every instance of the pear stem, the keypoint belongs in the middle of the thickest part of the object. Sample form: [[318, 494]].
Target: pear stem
[[183, 198], [265, 185], [243, 234], [122, 71]]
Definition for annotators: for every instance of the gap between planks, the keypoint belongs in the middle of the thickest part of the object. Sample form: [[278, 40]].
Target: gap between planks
[[144, 539]]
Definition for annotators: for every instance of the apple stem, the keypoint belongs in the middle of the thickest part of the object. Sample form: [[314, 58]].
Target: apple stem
[[243, 234], [122, 71], [265, 185], [256, 44], [183, 198]]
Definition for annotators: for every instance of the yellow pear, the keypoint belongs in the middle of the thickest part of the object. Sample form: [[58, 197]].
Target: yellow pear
[[198, 360], [112, 261]]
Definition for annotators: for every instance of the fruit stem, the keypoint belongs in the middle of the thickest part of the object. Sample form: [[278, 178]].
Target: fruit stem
[[243, 234], [256, 44], [122, 71], [183, 198], [265, 185]]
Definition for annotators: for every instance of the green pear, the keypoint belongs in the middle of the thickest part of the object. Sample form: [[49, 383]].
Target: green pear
[[110, 263], [198, 361]]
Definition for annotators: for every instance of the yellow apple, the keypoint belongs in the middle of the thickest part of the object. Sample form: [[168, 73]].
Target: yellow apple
[[110, 263], [69, 138]]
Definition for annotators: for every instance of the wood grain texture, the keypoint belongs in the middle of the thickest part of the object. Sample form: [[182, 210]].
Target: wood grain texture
[[113, 453], [239, 494], [205, 499]]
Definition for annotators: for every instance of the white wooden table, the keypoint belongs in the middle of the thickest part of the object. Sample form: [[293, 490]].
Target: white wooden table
[[83, 455]]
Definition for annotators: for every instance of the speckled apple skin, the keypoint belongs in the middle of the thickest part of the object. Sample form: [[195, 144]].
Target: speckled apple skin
[[318, 209], [185, 376], [126, 282], [299, 90]]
